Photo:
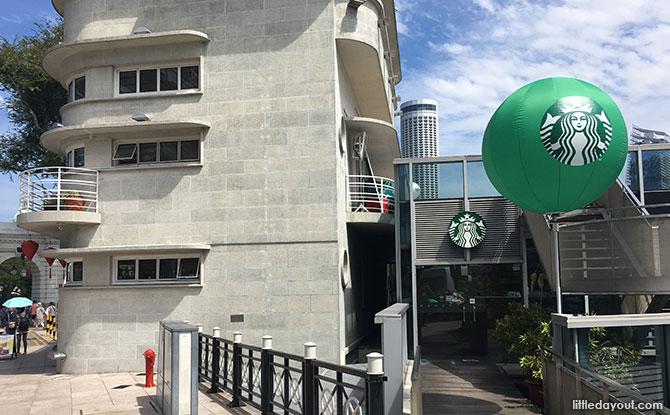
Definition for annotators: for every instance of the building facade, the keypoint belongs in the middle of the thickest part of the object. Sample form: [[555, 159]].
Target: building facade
[[420, 138], [212, 174]]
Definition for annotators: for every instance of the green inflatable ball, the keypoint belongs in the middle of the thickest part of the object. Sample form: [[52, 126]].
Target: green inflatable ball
[[555, 145]]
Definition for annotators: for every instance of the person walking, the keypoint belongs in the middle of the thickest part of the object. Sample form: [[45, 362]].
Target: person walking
[[22, 327], [51, 310], [9, 323], [33, 314], [40, 315]]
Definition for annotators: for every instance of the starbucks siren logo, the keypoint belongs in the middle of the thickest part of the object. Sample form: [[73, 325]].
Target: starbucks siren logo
[[467, 229], [576, 131]]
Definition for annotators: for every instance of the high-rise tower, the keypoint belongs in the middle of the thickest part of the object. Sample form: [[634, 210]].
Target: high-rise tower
[[419, 132]]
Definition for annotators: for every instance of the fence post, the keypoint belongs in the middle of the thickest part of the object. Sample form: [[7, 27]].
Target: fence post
[[216, 358], [375, 385], [309, 388], [237, 369], [201, 361], [266, 376]]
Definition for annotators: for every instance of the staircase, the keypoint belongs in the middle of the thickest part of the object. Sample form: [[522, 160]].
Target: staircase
[[610, 247]]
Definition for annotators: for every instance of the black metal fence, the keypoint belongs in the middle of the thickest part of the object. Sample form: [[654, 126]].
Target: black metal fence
[[287, 384]]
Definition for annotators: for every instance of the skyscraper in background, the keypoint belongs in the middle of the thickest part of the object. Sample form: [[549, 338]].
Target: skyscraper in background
[[419, 138]]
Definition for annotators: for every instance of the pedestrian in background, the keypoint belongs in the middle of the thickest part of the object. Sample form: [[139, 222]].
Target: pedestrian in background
[[33, 314], [51, 310], [40, 315], [9, 323], [22, 328]]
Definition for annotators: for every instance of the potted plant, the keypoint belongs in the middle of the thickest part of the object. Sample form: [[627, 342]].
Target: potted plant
[[73, 200], [524, 334]]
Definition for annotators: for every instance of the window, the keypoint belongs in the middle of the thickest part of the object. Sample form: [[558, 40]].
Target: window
[[159, 79], [127, 82], [157, 152], [76, 89], [79, 157], [75, 158], [125, 153], [157, 269], [75, 272]]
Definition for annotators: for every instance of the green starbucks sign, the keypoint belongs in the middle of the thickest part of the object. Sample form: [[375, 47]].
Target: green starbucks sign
[[467, 229], [555, 145]]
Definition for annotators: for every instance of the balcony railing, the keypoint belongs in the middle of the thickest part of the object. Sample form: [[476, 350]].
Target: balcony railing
[[58, 189], [371, 194]]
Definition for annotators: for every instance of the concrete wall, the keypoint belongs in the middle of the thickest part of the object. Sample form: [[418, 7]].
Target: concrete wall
[[269, 195]]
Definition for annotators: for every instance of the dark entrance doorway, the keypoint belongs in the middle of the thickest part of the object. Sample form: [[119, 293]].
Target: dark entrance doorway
[[459, 304]]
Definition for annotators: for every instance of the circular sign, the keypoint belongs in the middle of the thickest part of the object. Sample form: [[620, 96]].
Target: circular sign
[[555, 145], [467, 229], [576, 131]]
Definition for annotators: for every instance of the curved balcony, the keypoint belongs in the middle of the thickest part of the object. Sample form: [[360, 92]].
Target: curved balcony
[[382, 143], [370, 199], [57, 139], [54, 58], [54, 198]]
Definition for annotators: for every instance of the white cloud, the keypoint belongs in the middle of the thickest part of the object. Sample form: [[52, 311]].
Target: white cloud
[[620, 46]]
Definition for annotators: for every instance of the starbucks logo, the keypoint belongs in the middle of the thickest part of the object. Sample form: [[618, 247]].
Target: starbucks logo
[[467, 229], [576, 131]]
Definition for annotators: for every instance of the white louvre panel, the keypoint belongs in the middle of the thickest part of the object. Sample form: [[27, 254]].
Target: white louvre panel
[[432, 231], [502, 240]]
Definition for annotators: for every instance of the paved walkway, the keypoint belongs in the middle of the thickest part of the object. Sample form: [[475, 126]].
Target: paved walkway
[[456, 387], [29, 384]]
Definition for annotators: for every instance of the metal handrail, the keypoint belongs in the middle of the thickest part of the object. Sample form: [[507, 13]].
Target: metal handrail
[[370, 194], [606, 381], [58, 188]]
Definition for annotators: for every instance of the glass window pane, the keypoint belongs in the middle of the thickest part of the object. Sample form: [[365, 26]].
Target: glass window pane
[[168, 79], [188, 267], [190, 150], [168, 268], [79, 157], [190, 77], [656, 170], [80, 88], [147, 152], [68, 159], [168, 151], [147, 269], [437, 181], [402, 181], [70, 91], [628, 174], [148, 80], [478, 182], [127, 82], [125, 152], [125, 269], [77, 271]]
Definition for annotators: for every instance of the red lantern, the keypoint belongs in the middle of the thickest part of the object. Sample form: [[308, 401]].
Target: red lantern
[[29, 248], [50, 261]]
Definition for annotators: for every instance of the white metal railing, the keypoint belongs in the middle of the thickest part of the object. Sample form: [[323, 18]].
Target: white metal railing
[[58, 188], [370, 194]]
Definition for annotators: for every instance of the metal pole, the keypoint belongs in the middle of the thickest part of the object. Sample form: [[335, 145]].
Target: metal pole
[[309, 389], [587, 306], [216, 358], [237, 369], [375, 385], [557, 269], [266, 376]]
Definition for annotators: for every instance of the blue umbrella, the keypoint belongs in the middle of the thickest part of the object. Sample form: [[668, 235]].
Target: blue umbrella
[[18, 302]]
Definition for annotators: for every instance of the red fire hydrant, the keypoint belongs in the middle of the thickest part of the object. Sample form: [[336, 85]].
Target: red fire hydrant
[[150, 358]]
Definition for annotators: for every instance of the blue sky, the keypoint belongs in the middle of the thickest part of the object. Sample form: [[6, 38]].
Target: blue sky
[[471, 54]]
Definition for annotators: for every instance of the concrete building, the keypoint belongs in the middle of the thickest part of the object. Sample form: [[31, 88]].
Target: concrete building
[[45, 278], [420, 138], [220, 159]]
